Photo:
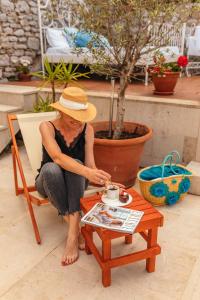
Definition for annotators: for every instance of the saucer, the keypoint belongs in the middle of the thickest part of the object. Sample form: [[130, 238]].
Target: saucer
[[115, 202]]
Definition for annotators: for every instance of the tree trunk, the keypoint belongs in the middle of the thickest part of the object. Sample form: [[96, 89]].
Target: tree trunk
[[120, 106], [111, 108]]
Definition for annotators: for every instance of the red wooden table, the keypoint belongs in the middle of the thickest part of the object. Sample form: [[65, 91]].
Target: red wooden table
[[147, 228]]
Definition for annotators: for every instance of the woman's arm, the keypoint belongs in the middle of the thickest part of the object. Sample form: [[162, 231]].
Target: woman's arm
[[89, 147], [65, 161]]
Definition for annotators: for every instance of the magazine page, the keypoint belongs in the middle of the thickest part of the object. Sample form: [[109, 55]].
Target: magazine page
[[113, 218]]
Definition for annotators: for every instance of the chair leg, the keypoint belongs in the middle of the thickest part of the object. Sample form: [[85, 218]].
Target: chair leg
[[15, 171], [106, 255], [17, 162], [33, 220]]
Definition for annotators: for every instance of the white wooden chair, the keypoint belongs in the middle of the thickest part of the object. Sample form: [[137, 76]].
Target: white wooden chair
[[193, 49], [29, 126]]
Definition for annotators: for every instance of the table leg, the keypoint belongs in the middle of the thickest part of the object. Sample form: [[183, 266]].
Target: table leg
[[106, 255], [90, 232], [128, 239], [152, 241]]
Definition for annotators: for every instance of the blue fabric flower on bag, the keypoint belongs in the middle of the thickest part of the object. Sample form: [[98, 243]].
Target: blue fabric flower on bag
[[159, 189], [184, 185], [172, 198]]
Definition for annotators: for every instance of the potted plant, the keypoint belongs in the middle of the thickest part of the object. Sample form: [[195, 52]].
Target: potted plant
[[23, 70], [55, 76], [58, 75], [165, 75], [128, 26]]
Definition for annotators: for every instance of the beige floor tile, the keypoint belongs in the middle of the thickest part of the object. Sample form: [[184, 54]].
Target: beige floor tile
[[192, 290], [173, 263], [29, 271], [50, 281], [184, 234], [19, 251], [12, 209], [128, 292]]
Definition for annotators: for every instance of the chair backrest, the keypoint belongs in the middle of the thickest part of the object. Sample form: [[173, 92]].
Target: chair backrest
[[169, 35], [29, 126]]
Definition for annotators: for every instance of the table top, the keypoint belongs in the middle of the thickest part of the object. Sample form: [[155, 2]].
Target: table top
[[151, 218]]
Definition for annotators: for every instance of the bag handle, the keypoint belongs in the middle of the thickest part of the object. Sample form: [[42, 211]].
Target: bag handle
[[170, 158]]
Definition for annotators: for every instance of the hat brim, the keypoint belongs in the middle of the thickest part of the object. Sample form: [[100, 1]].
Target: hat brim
[[86, 115]]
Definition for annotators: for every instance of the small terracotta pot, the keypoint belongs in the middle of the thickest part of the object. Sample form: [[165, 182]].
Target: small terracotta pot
[[24, 77], [164, 85], [120, 158]]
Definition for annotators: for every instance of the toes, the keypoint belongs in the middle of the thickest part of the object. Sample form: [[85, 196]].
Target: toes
[[63, 263], [69, 260]]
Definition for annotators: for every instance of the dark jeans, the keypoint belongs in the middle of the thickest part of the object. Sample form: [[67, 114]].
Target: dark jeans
[[63, 188]]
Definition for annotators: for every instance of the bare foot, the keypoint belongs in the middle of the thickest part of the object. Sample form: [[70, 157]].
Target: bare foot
[[71, 252], [81, 242]]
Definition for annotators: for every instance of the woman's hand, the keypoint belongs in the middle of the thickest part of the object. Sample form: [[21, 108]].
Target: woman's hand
[[97, 176]]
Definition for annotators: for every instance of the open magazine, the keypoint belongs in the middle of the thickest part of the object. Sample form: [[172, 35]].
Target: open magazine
[[113, 218]]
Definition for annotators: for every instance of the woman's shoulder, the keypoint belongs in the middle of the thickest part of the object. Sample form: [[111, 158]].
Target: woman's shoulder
[[89, 127], [47, 126], [89, 130]]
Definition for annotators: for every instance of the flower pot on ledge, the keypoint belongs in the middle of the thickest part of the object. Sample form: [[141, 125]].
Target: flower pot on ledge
[[24, 77], [165, 84], [121, 158]]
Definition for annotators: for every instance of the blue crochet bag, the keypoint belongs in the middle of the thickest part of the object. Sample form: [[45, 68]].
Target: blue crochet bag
[[167, 183]]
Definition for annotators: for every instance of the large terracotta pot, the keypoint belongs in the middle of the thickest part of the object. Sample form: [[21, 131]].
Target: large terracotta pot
[[120, 158], [164, 85], [24, 77]]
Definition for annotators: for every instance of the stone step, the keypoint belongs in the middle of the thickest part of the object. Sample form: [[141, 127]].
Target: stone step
[[194, 166], [7, 109], [2, 128], [5, 137], [18, 96]]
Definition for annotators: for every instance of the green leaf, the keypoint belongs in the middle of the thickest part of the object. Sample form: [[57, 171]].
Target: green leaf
[[43, 104]]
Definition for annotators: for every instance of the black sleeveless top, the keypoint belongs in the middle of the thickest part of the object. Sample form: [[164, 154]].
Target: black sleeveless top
[[75, 150]]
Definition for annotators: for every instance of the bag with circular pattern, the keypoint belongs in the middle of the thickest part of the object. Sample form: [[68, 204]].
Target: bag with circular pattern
[[167, 183]]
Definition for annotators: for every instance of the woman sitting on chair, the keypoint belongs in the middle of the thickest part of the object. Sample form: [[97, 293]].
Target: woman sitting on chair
[[68, 163]]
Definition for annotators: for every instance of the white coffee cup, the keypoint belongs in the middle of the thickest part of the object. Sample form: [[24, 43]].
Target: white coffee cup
[[112, 192]]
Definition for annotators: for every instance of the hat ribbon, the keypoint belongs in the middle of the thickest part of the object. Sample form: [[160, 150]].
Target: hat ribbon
[[72, 105]]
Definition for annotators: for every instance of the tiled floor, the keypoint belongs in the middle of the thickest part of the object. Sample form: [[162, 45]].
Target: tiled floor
[[187, 88], [32, 272]]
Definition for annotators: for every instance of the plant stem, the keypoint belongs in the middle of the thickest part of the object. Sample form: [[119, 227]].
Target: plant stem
[[53, 90]]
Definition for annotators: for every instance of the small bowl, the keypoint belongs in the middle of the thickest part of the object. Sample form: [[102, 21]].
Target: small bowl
[[123, 197]]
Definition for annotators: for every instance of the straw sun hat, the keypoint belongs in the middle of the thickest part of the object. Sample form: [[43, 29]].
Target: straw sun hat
[[74, 102]]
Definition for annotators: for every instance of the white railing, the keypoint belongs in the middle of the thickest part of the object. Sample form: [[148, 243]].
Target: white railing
[[53, 14], [169, 35]]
